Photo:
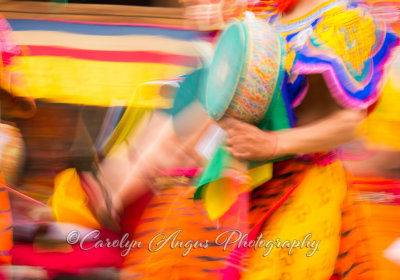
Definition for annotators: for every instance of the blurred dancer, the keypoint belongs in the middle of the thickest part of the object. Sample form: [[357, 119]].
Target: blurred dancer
[[374, 163], [13, 105], [336, 55], [335, 62]]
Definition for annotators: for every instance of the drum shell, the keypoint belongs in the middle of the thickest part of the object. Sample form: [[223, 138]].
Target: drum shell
[[260, 75], [12, 153]]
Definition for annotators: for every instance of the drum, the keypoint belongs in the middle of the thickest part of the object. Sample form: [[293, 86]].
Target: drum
[[12, 153], [246, 71]]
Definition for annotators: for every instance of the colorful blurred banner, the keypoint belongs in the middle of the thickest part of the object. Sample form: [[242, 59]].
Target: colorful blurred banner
[[101, 64]]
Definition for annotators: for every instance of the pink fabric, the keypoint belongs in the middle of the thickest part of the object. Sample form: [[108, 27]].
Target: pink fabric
[[73, 262], [189, 172], [8, 50], [8, 47]]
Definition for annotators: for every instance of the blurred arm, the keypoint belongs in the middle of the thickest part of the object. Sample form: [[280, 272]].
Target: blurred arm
[[326, 134]]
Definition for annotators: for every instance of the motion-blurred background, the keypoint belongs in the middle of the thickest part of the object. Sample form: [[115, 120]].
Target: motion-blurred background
[[88, 61]]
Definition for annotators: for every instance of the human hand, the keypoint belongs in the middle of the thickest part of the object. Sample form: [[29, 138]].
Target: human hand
[[248, 142]]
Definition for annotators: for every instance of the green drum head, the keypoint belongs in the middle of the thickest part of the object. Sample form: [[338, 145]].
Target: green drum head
[[225, 70]]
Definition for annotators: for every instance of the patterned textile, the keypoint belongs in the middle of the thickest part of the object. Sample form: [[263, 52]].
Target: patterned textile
[[343, 42], [174, 209]]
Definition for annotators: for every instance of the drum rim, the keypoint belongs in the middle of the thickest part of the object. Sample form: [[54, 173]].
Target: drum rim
[[218, 115]]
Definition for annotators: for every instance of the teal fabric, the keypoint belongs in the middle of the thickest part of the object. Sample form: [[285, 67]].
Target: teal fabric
[[190, 90], [213, 171]]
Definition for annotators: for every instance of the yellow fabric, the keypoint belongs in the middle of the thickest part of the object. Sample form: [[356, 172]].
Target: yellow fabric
[[360, 30], [69, 201], [13, 79], [314, 208], [382, 127], [220, 195], [77, 81], [260, 175], [381, 133], [126, 127]]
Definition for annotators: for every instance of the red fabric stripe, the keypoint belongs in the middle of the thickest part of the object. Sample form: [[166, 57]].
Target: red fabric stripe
[[114, 56]]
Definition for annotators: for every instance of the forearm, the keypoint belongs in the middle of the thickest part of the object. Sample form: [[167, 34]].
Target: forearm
[[166, 150], [323, 135]]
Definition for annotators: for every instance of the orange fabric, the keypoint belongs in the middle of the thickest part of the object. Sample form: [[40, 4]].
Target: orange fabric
[[369, 226], [6, 239], [174, 211]]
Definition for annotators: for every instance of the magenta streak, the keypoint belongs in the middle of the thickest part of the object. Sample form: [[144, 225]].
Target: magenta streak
[[23, 195]]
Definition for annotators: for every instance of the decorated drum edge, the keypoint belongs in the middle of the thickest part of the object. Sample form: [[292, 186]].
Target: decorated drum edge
[[280, 69], [214, 115], [282, 55], [249, 63]]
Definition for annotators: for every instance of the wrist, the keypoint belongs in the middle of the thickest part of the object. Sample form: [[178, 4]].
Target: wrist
[[282, 144]]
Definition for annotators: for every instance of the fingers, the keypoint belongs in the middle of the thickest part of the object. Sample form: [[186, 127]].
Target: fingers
[[238, 153], [246, 141], [234, 126], [225, 123], [238, 137], [236, 140]]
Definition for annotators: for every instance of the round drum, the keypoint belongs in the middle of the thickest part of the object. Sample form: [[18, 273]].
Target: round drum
[[246, 70], [12, 153]]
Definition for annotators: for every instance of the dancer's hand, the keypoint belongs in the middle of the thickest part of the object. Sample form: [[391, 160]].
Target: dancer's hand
[[248, 142]]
